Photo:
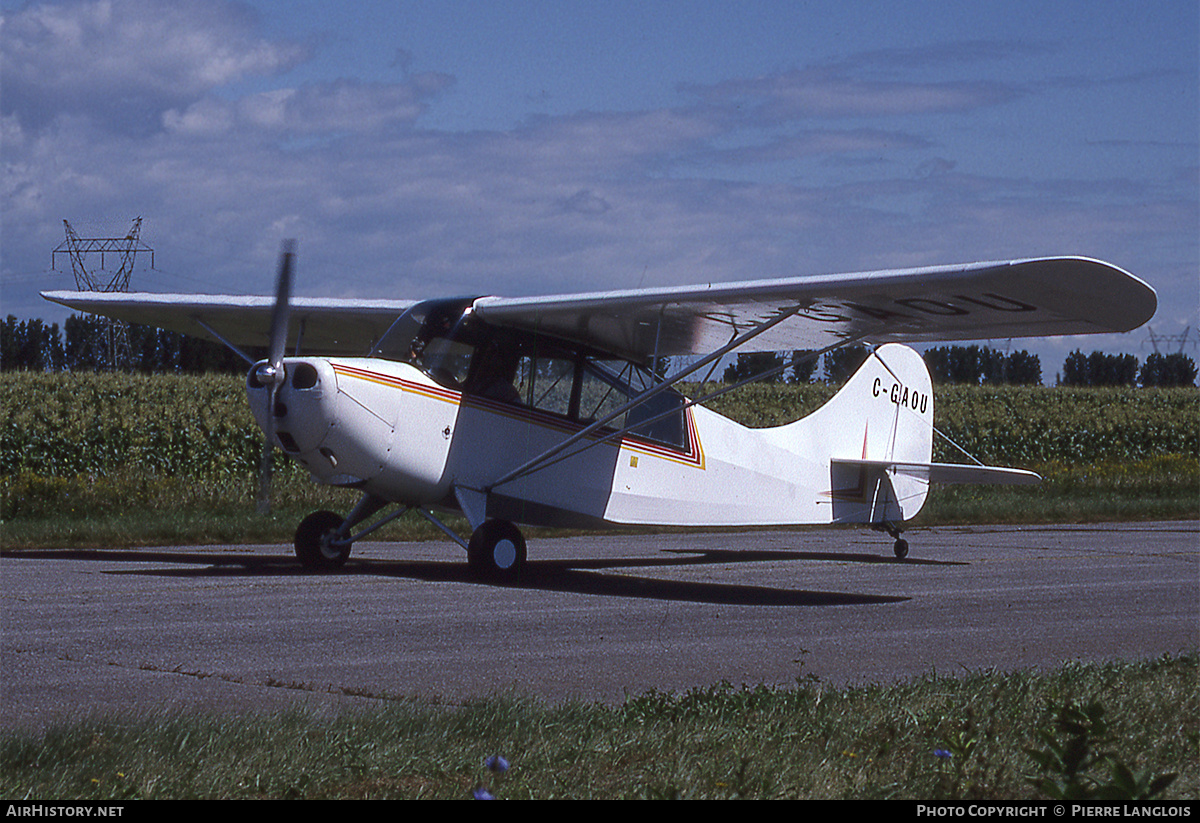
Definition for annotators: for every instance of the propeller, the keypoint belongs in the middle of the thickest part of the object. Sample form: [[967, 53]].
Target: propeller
[[271, 373]]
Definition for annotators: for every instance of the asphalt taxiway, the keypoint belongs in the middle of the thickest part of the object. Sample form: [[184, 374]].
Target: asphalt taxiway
[[595, 618]]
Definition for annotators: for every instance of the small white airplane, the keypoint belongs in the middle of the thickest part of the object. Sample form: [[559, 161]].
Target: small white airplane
[[551, 410]]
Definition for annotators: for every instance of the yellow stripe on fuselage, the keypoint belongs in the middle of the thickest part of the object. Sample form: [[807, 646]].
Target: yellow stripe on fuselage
[[694, 456]]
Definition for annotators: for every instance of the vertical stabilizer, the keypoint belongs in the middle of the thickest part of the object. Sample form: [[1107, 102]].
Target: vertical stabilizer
[[882, 416]]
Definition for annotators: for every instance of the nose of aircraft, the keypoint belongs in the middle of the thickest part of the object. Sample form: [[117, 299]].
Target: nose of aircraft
[[303, 411]]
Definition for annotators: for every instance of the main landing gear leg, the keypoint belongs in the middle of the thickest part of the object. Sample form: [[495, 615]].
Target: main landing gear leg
[[496, 549]]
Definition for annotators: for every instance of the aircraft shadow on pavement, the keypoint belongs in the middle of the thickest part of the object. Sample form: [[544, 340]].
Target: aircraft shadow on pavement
[[581, 576]]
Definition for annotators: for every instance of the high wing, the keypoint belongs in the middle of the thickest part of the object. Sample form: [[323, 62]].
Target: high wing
[[1021, 298], [328, 326]]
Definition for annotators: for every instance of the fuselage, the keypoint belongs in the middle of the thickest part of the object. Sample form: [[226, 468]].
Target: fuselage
[[391, 430]]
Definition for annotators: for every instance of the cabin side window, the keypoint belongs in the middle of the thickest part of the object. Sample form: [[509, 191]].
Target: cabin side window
[[608, 385], [547, 382], [587, 388], [462, 353]]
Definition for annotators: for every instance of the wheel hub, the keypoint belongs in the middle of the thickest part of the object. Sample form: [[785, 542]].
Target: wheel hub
[[504, 554], [328, 549]]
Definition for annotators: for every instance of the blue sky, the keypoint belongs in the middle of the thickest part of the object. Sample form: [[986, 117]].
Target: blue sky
[[434, 148]]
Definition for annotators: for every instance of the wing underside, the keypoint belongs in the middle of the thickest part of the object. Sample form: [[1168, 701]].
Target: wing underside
[[328, 326], [1032, 298], [1029, 298]]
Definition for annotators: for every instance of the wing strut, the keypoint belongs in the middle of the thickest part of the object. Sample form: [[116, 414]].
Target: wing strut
[[228, 345]]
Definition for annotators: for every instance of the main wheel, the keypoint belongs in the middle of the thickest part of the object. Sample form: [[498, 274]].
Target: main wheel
[[314, 546], [901, 548], [497, 548]]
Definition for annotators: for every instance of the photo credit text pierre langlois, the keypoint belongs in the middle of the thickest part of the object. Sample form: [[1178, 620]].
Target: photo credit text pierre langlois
[[1056, 810]]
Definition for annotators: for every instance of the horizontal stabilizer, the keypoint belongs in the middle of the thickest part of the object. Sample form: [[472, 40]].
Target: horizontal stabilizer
[[949, 472]]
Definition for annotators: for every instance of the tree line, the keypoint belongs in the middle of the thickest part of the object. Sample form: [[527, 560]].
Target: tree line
[[89, 343], [976, 365]]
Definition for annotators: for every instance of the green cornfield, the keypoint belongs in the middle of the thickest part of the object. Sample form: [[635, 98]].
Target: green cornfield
[[79, 448], [1018, 425], [66, 425]]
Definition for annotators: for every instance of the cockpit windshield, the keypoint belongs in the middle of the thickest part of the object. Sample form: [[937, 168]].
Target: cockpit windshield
[[429, 336]]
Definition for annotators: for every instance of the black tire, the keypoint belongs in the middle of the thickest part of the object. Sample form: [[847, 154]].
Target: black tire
[[312, 542], [497, 549], [901, 548]]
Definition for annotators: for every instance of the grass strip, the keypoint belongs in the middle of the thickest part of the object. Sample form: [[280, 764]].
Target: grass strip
[[130, 508], [982, 735]]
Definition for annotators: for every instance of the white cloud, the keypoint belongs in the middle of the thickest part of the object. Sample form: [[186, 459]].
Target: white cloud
[[122, 61], [204, 118], [825, 93], [343, 106]]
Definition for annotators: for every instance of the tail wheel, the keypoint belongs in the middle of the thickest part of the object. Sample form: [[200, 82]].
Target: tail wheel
[[497, 549], [314, 541]]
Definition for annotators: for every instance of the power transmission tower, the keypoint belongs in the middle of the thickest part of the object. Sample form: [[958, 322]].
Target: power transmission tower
[[1168, 339], [126, 249]]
